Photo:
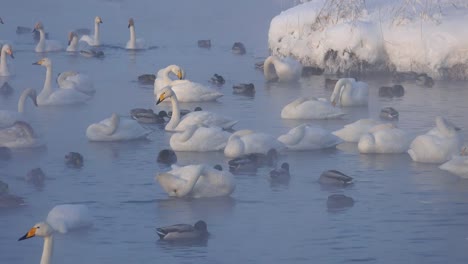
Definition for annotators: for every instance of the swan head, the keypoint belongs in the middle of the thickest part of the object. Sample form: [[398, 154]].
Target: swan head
[[41, 229], [166, 92], [8, 50], [71, 35], [46, 62], [131, 23], [38, 26], [178, 71], [98, 20]]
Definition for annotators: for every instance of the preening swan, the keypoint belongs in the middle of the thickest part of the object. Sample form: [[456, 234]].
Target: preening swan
[[458, 165], [96, 40], [310, 108], [349, 92], [6, 50], [199, 138], [72, 42], [384, 138], [438, 145], [44, 44], [192, 118], [134, 43], [50, 96], [75, 80], [309, 137], [116, 128], [183, 231], [186, 91], [8, 118], [20, 135], [247, 141], [283, 70], [196, 181], [353, 132]]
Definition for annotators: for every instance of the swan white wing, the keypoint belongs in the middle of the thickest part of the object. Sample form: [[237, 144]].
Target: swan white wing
[[213, 183], [63, 97], [88, 39], [310, 108], [458, 165], [353, 132], [203, 139], [187, 91], [433, 149], [78, 81], [260, 143], [306, 137], [390, 140], [288, 69], [67, 217], [8, 118], [13, 137], [177, 182], [205, 118], [128, 129]]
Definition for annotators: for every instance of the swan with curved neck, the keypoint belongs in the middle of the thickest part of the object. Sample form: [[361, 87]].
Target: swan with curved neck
[[247, 141], [116, 128], [134, 43], [8, 118], [283, 70], [45, 44], [72, 42], [163, 79], [50, 96], [349, 92], [199, 138], [6, 50], [93, 41], [44, 230], [19, 135]]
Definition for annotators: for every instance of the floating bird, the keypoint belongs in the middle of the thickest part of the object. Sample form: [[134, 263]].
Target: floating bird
[[45, 45], [284, 70], [167, 156], [396, 90], [238, 48], [183, 231], [93, 40], [6, 50], [134, 43], [349, 92], [334, 177], [281, 174], [116, 128], [74, 160], [389, 113]]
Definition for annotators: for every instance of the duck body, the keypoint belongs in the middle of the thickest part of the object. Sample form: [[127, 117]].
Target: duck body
[[308, 137], [183, 231], [199, 138], [250, 162], [74, 160], [389, 113], [353, 132], [281, 174], [349, 92], [384, 138], [244, 142], [396, 90], [310, 108], [283, 70], [238, 48], [147, 116], [167, 157], [334, 177], [116, 128]]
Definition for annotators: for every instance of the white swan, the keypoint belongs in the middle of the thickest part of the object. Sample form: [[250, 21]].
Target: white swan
[[75, 80], [196, 181], [353, 132], [50, 96], [20, 135], [186, 91], [72, 42], [8, 118], [6, 50], [134, 43], [384, 138], [283, 70], [197, 117], [308, 137], [96, 40], [199, 138], [438, 145], [44, 44], [68, 216], [310, 108], [116, 128], [349, 92], [458, 165], [247, 141]]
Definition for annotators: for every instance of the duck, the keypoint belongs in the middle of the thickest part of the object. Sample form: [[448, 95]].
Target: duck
[[424, 80], [217, 80], [199, 138], [438, 145], [183, 231], [134, 43], [281, 174], [238, 48], [116, 128], [204, 43], [353, 132], [176, 123], [35, 176], [147, 116], [74, 160], [45, 45], [5, 153], [334, 177], [244, 88], [75, 80], [20, 135], [250, 162], [91, 53], [8, 200], [349, 92], [72, 42], [404, 76], [196, 181], [282, 69], [311, 108], [389, 113], [245, 141], [339, 201], [147, 79], [384, 138], [457, 165], [6, 50], [309, 137], [396, 90], [50, 96], [93, 40], [167, 157], [8, 118], [186, 91]]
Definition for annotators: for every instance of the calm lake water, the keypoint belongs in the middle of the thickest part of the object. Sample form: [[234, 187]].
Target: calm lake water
[[404, 211]]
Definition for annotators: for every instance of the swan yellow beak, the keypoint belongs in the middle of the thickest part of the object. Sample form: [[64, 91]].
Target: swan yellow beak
[[180, 75], [29, 234], [161, 98]]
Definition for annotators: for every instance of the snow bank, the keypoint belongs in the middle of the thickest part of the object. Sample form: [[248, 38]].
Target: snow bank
[[356, 37]]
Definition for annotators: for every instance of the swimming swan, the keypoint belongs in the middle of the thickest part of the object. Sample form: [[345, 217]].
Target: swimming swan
[[283, 70], [8, 118], [309, 137], [353, 132], [186, 91], [458, 165], [6, 50], [310, 108], [438, 145], [384, 138], [349, 92], [134, 43], [50, 96], [72, 42], [20, 135], [44, 44], [247, 141], [96, 40], [192, 118], [199, 138], [116, 128], [196, 181], [75, 80]]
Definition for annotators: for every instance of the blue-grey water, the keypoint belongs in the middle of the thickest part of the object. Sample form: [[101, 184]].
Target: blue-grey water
[[404, 212]]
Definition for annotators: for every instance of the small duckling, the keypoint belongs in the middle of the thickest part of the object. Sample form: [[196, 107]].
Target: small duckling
[[281, 174], [218, 167], [183, 231], [74, 160], [396, 90], [250, 162], [244, 88], [147, 116], [238, 48], [184, 111], [217, 80], [167, 156], [35, 176], [424, 80], [389, 113], [339, 201], [5, 153], [334, 177], [92, 53], [147, 79], [6, 89], [204, 43]]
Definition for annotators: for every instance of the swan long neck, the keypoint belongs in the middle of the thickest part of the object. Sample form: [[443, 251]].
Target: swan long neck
[[132, 36], [167, 80], [73, 44], [191, 183], [47, 250], [96, 33], [338, 91], [22, 100], [3, 62], [48, 80], [269, 68], [42, 36], [115, 121], [175, 118]]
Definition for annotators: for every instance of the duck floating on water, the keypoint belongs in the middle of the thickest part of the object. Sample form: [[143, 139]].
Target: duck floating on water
[[334, 177], [389, 113], [238, 48], [74, 160], [183, 231]]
